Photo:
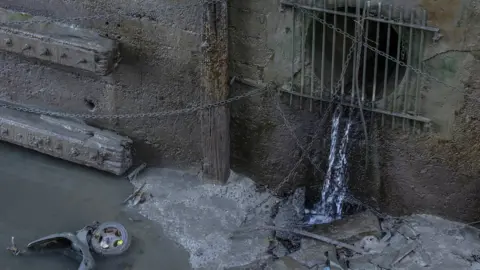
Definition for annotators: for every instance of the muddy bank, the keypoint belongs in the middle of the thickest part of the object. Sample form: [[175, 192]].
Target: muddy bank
[[40, 195]]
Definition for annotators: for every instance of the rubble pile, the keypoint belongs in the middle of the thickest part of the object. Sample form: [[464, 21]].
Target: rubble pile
[[217, 226], [413, 242]]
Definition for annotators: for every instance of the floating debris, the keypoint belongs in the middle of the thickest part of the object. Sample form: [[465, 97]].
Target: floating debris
[[13, 247], [131, 176]]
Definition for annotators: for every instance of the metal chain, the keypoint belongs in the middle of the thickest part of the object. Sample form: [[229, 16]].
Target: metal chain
[[305, 150], [136, 115], [68, 20]]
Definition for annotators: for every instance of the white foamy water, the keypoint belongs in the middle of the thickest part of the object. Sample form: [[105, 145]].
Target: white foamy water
[[329, 208]]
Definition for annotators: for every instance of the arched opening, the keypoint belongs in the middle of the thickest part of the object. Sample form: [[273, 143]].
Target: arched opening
[[331, 55]]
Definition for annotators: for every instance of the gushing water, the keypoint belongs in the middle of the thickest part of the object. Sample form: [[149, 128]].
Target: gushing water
[[329, 208]]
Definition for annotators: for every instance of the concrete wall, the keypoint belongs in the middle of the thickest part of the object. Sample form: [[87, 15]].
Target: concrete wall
[[160, 71], [434, 172]]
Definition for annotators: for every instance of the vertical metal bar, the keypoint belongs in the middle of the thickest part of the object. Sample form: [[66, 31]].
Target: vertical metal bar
[[302, 59], [344, 50], [365, 52], [397, 67], [420, 66], [385, 79], [355, 51], [312, 79], [375, 69], [409, 63], [322, 69], [293, 54], [334, 39]]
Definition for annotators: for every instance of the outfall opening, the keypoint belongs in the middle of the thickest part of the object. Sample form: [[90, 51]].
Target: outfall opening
[[333, 55], [329, 49]]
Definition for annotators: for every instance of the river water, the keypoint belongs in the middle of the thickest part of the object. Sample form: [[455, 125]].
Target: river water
[[40, 195]]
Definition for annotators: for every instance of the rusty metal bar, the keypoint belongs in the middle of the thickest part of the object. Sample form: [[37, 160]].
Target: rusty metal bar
[[400, 23], [293, 52], [322, 69], [354, 105], [375, 69], [408, 75], [420, 66], [365, 51], [344, 49], [355, 55], [397, 69], [334, 39], [385, 79], [312, 79], [302, 58]]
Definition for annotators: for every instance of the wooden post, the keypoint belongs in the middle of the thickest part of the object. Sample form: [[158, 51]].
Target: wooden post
[[215, 122]]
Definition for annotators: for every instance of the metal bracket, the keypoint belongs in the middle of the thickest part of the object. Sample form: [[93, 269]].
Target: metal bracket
[[66, 45]]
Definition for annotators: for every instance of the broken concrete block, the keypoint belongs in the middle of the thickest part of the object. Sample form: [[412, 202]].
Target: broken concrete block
[[68, 139], [407, 231], [279, 250], [62, 44], [286, 263], [388, 259], [312, 252], [352, 228], [362, 263]]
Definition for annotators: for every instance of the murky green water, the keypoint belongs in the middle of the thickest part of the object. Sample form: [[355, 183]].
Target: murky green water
[[40, 195]]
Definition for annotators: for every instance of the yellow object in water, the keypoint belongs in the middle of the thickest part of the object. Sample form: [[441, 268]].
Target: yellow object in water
[[119, 242]]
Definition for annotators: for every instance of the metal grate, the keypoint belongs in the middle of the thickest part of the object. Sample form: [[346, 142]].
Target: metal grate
[[392, 42]]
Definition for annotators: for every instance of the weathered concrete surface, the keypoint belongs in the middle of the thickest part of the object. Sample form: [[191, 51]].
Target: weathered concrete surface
[[58, 43], [416, 172], [40, 195], [68, 139], [159, 71], [205, 219]]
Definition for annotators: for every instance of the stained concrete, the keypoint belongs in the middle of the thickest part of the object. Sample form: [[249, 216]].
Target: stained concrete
[[40, 195], [160, 71], [208, 220]]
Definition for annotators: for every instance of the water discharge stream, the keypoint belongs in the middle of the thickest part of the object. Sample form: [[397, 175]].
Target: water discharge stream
[[329, 208]]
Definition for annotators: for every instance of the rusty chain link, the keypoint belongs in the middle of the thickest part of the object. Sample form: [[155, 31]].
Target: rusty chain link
[[203, 107], [136, 115]]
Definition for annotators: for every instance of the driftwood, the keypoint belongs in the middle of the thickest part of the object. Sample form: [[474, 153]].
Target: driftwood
[[136, 193], [311, 235], [135, 172]]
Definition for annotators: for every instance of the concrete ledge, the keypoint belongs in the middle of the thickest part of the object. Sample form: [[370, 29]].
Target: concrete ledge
[[67, 139], [67, 45]]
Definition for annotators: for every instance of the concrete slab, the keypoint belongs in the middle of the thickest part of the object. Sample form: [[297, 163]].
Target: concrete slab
[[68, 139]]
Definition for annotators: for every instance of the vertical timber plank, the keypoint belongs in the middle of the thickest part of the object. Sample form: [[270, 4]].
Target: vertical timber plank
[[215, 121]]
